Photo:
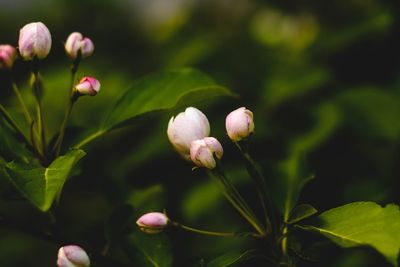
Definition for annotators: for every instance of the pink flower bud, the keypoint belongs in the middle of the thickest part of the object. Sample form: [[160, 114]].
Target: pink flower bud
[[186, 127], [7, 56], [239, 124], [34, 40], [72, 256], [88, 86], [203, 151], [76, 43], [153, 222]]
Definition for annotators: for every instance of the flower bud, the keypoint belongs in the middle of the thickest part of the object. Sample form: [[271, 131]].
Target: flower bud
[[77, 43], [7, 56], [239, 124], [72, 256], [88, 86], [34, 41], [186, 127], [153, 222], [202, 152]]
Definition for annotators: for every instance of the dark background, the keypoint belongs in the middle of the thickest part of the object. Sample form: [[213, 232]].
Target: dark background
[[320, 76]]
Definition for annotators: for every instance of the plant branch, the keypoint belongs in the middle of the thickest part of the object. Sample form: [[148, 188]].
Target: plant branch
[[212, 233]]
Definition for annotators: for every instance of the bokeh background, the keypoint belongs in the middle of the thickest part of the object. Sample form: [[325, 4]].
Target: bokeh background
[[321, 77]]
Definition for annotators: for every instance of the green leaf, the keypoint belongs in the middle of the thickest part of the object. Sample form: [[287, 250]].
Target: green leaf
[[119, 221], [11, 148], [153, 250], [232, 258], [301, 212], [362, 223], [158, 93], [294, 176], [41, 185]]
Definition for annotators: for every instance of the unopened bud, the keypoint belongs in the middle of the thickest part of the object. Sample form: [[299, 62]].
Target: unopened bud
[[153, 222], [88, 86], [204, 151], [7, 56], [34, 41], [239, 124], [72, 256], [186, 127], [77, 43]]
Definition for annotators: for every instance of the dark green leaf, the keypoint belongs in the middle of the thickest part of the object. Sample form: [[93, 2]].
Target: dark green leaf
[[153, 250], [301, 212], [10, 147], [41, 185], [158, 93], [294, 175], [362, 223], [232, 258], [118, 222]]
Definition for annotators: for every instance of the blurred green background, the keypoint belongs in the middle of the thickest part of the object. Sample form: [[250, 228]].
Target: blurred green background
[[321, 77]]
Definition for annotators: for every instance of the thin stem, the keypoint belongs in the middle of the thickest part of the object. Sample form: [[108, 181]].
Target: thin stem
[[236, 200], [58, 144], [212, 233], [38, 95], [13, 124], [22, 103], [71, 100], [261, 187], [33, 140]]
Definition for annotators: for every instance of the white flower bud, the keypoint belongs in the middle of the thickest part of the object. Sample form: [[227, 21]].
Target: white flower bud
[[203, 151], [239, 124], [34, 41], [153, 222], [7, 56], [72, 256], [76, 42], [88, 86], [186, 127]]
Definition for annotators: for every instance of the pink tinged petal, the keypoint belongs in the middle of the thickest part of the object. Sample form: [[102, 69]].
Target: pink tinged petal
[[215, 146], [186, 127], [87, 47], [72, 45], [34, 40], [153, 222], [88, 86], [239, 124], [72, 256], [203, 151], [7, 56]]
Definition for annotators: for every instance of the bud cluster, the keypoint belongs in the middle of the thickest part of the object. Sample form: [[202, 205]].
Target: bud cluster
[[189, 132]]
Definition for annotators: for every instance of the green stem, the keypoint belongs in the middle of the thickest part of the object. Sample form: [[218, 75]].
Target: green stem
[[58, 144], [38, 91], [22, 103], [261, 188], [232, 195], [14, 124], [212, 233], [71, 100]]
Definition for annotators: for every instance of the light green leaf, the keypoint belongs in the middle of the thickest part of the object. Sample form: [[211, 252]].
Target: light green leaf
[[301, 212], [41, 185], [232, 258], [362, 223], [158, 93]]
